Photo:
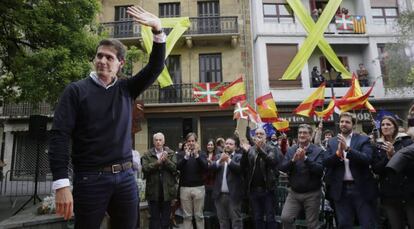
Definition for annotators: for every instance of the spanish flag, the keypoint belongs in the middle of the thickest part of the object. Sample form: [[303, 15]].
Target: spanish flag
[[355, 103], [281, 125], [266, 108], [355, 92], [232, 94], [325, 114], [316, 99]]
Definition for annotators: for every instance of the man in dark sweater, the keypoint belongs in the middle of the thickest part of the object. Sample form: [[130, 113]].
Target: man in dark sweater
[[303, 164], [192, 163], [95, 113]]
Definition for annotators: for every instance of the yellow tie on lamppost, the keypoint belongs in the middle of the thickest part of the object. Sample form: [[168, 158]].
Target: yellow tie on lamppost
[[314, 39], [179, 25]]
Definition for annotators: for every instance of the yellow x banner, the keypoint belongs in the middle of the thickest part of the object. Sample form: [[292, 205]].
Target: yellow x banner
[[314, 39], [179, 25]]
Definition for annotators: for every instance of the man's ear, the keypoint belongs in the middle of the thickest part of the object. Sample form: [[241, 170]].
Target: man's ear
[[122, 63]]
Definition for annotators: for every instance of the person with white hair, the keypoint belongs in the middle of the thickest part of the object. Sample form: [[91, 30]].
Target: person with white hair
[[159, 165]]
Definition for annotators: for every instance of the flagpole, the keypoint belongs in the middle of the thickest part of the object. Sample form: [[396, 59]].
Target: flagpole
[[334, 115]]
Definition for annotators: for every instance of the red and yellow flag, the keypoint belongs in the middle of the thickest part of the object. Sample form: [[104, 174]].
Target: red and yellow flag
[[266, 108], [355, 92], [281, 125], [325, 114], [308, 106], [232, 94], [355, 103]]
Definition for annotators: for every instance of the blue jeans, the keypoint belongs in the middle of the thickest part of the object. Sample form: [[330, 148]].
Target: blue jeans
[[263, 206], [159, 214], [95, 193]]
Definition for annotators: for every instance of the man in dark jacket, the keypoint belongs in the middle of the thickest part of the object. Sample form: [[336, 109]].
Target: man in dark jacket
[[352, 185], [261, 162], [303, 164], [228, 186], [159, 167]]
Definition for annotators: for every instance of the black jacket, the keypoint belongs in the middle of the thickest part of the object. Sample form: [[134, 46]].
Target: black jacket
[[390, 184], [269, 158], [234, 178], [304, 175]]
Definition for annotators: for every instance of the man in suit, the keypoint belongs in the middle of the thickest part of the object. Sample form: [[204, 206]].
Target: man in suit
[[303, 164], [228, 189], [352, 185]]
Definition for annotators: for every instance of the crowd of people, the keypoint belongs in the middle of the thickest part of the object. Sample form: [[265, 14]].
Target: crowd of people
[[349, 169], [93, 117]]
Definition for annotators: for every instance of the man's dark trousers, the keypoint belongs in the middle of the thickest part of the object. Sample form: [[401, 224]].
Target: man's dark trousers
[[159, 214], [95, 193], [352, 204], [263, 205]]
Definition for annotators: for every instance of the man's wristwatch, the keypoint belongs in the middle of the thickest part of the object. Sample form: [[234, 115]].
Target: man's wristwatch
[[156, 32], [348, 149]]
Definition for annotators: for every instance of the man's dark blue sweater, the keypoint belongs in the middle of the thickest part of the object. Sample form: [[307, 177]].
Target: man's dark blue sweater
[[98, 120]]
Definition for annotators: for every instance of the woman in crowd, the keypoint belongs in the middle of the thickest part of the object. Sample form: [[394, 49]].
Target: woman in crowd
[[209, 176], [396, 190]]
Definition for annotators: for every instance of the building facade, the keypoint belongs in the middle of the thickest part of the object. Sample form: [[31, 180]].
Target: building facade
[[215, 48], [278, 35]]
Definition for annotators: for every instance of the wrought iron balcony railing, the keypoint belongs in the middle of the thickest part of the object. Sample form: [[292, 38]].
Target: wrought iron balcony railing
[[177, 93], [199, 25]]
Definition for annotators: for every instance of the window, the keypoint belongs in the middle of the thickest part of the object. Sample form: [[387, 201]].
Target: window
[[210, 68], [382, 55], [25, 150], [332, 77], [174, 68], [123, 22], [384, 15], [281, 12], [173, 93], [208, 17], [169, 10], [279, 57]]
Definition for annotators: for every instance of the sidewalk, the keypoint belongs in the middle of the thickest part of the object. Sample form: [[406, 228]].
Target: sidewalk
[[6, 206]]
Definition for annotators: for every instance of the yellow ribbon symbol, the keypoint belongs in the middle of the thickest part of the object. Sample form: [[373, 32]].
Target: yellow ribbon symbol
[[314, 39], [179, 25]]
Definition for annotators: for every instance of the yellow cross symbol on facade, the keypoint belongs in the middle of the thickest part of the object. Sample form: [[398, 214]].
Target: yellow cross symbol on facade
[[179, 25], [314, 39]]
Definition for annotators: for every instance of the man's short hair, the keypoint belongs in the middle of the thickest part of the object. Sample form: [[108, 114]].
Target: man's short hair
[[349, 115], [306, 126], [116, 44], [191, 134]]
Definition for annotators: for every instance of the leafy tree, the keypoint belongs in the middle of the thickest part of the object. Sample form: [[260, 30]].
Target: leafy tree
[[44, 45], [399, 63]]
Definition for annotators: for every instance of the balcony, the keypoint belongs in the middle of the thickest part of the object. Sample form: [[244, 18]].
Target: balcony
[[199, 26], [174, 94], [177, 93]]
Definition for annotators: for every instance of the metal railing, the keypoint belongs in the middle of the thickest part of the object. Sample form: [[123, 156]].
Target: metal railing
[[176, 93], [199, 25], [26, 109], [213, 25], [17, 183]]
